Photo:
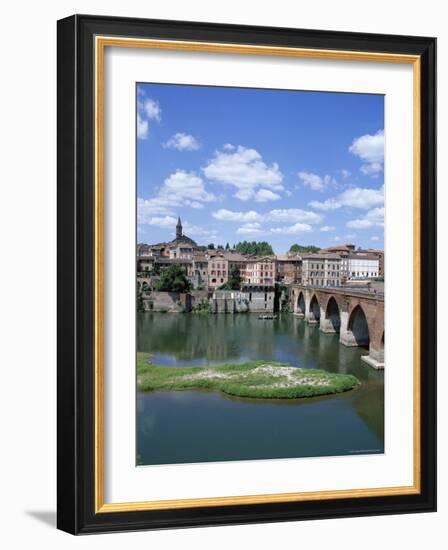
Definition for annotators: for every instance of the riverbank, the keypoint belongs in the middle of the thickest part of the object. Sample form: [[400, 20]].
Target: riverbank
[[255, 379]]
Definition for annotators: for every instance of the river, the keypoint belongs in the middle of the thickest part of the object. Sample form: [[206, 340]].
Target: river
[[202, 426]]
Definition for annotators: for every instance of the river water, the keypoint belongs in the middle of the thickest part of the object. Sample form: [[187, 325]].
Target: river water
[[202, 426]]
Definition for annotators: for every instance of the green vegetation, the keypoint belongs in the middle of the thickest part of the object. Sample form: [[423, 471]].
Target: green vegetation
[[256, 379], [174, 279], [204, 308], [296, 248], [140, 305], [262, 248], [234, 282]]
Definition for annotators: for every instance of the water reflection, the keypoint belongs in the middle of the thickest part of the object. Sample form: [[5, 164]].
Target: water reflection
[[198, 426]]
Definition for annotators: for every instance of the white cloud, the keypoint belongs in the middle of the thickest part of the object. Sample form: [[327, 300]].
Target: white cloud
[[327, 228], [372, 169], [354, 197], [170, 222], [182, 142], [250, 229], [152, 109], [265, 195], [345, 173], [166, 221], [370, 149], [316, 182], [186, 186], [142, 127], [245, 170], [361, 223], [179, 189], [197, 231], [147, 109], [373, 218], [295, 229], [146, 208], [313, 181], [359, 197], [228, 147], [231, 216], [329, 204], [292, 215], [374, 238]]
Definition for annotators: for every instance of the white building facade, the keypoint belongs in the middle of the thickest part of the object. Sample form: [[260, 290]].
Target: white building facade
[[363, 266]]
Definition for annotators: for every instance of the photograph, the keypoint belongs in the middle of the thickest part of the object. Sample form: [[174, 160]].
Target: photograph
[[260, 274]]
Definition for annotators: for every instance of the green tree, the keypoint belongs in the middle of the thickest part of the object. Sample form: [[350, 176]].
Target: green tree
[[174, 279], [234, 282], [211, 246], [261, 248], [227, 246], [155, 269], [297, 248]]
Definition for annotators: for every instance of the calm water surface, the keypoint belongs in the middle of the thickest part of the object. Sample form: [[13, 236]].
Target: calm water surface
[[201, 426]]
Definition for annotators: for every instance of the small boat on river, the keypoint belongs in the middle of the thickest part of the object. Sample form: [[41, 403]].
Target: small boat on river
[[267, 316]]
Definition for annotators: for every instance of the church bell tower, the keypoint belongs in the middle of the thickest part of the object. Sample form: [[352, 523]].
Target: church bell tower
[[179, 229]]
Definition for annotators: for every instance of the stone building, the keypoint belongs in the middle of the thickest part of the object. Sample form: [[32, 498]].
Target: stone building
[[199, 271], [260, 271], [250, 299], [321, 269], [358, 264], [182, 247], [289, 269], [380, 256], [218, 270]]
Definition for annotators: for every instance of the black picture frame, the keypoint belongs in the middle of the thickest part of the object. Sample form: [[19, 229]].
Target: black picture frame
[[76, 256]]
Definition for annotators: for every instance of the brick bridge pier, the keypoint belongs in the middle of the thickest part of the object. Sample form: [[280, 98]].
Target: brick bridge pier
[[356, 315]]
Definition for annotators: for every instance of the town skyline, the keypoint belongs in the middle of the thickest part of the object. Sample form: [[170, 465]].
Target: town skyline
[[232, 245], [296, 167]]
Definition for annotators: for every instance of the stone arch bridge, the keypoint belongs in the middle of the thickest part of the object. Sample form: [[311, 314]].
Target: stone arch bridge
[[357, 316]]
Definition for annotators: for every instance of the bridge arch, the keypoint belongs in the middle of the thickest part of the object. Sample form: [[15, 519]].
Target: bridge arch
[[300, 305], [359, 327], [314, 310], [332, 314]]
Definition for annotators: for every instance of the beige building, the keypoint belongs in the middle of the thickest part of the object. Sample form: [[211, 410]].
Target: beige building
[[321, 269], [218, 271], [260, 271]]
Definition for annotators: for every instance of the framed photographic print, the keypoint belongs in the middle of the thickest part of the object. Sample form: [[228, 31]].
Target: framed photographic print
[[246, 274]]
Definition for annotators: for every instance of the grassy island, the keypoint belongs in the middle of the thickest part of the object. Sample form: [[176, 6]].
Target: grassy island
[[257, 379]]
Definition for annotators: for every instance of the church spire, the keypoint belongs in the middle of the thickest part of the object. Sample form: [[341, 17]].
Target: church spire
[[179, 229]]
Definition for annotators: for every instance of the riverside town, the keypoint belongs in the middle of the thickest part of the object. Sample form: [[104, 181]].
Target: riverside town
[[340, 288]]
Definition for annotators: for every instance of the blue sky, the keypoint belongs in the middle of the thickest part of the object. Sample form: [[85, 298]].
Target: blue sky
[[249, 164]]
